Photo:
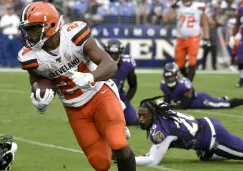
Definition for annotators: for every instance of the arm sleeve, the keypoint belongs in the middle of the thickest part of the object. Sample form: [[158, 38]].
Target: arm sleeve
[[132, 82], [156, 153]]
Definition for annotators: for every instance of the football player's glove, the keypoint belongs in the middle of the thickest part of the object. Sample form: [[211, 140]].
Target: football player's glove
[[7, 150], [128, 134], [41, 103], [206, 43], [82, 80]]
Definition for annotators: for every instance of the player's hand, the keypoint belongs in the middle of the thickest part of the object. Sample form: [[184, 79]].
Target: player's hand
[[82, 80], [128, 134], [41, 103], [206, 43], [232, 41]]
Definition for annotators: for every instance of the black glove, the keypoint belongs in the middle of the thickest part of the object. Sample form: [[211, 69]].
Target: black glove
[[206, 43]]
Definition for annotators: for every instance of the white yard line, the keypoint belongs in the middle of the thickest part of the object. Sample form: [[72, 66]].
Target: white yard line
[[12, 91], [161, 167], [73, 150], [5, 121], [217, 113]]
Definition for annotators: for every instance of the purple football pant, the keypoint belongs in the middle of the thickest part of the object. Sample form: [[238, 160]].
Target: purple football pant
[[239, 52], [226, 146], [205, 101], [130, 113]]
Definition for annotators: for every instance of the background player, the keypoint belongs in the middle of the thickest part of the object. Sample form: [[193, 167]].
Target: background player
[[189, 16], [170, 129], [126, 71], [70, 57], [239, 51], [181, 91], [7, 152]]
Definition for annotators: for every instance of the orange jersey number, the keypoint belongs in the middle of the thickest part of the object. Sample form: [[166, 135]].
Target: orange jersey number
[[74, 25], [190, 21], [68, 87]]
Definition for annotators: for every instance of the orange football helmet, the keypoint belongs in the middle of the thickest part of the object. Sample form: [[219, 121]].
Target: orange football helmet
[[44, 17]]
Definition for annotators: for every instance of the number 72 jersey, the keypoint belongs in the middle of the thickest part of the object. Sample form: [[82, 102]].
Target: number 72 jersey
[[188, 19]]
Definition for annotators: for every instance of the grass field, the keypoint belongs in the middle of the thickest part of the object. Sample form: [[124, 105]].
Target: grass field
[[46, 142]]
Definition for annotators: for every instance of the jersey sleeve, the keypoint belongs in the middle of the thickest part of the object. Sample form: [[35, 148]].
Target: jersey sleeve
[[78, 31], [129, 62], [185, 85], [27, 59], [157, 135], [240, 10]]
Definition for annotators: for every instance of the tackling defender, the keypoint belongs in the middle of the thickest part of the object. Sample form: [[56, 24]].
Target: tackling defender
[[69, 56], [189, 17], [181, 91], [170, 129], [126, 71]]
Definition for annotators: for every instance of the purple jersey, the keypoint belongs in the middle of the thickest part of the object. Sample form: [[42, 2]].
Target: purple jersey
[[240, 10], [199, 100], [186, 128], [177, 93], [125, 66]]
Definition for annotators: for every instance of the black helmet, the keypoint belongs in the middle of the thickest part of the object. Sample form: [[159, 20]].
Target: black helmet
[[170, 70], [114, 48]]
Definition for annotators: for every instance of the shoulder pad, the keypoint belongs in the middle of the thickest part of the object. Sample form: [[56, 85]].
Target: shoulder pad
[[27, 59], [78, 31], [162, 82], [200, 6]]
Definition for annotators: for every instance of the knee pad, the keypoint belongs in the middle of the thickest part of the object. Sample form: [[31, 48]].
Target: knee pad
[[99, 163]]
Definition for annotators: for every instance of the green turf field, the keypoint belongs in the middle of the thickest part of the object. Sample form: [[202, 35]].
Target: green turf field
[[46, 142]]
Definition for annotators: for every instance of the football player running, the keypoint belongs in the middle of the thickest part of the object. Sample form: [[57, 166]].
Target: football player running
[[180, 90], [126, 71], [189, 18], [238, 35], [169, 129], [69, 56], [7, 152]]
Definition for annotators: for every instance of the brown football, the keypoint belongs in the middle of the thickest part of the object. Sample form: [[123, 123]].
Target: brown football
[[43, 84]]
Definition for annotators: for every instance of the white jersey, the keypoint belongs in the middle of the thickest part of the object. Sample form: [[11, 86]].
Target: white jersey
[[188, 19], [70, 57]]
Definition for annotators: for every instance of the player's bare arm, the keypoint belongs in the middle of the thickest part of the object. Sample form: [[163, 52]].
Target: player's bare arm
[[33, 77], [237, 25], [205, 26], [170, 15], [132, 82], [107, 67]]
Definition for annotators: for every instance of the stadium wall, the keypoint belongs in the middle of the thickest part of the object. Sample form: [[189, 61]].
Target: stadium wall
[[149, 45]]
